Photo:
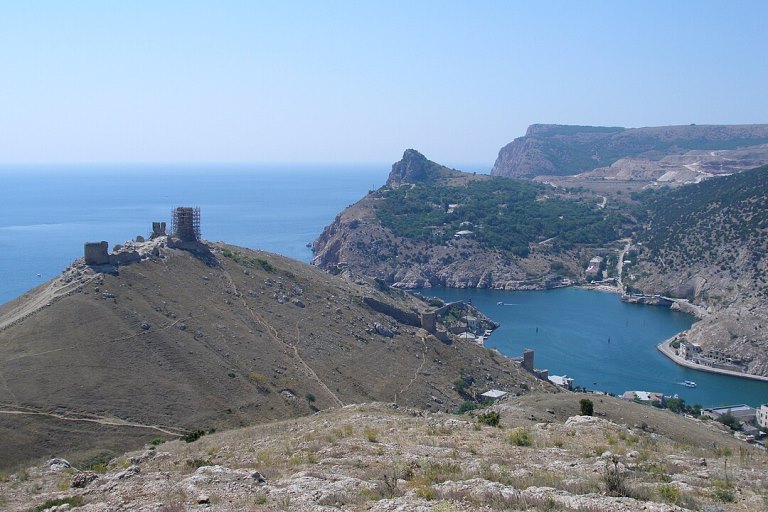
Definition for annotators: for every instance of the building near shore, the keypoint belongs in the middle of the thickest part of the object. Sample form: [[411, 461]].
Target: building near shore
[[762, 416], [645, 397], [742, 412], [562, 381]]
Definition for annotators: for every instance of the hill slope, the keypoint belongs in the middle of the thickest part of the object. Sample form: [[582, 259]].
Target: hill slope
[[665, 153], [464, 230], [542, 457], [708, 243], [220, 338]]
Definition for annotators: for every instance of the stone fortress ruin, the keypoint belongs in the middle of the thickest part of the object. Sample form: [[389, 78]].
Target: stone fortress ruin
[[185, 230]]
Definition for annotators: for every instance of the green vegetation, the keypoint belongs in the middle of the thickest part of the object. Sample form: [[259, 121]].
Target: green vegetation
[[520, 437], [501, 213], [72, 501], [490, 418], [586, 407], [193, 436], [716, 222], [248, 261]]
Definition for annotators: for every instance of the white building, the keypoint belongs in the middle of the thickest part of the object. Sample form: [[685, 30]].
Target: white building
[[762, 416]]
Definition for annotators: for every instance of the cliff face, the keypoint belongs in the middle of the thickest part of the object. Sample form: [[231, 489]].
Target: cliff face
[[358, 239], [562, 150]]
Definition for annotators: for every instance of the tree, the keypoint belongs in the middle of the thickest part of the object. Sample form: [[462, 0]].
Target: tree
[[676, 405], [730, 421], [586, 406]]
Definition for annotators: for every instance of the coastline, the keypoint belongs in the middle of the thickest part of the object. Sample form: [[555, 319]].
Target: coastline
[[665, 348]]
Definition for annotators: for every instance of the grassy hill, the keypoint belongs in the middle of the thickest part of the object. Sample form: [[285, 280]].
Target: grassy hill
[[541, 457], [92, 362]]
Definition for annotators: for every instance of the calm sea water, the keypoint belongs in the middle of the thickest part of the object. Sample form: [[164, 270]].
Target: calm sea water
[[47, 213], [601, 342]]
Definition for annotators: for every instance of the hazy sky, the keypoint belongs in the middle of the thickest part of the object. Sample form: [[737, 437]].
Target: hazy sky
[[360, 81]]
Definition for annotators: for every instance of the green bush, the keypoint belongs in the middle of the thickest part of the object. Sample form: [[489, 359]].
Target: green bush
[[72, 501], [520, 437], [490, 418], [586, 407], [192, 436]]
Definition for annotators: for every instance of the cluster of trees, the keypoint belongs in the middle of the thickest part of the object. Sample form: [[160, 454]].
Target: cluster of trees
[[502, 214]]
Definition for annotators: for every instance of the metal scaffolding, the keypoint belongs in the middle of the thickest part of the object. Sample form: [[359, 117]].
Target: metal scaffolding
[[186, 223]]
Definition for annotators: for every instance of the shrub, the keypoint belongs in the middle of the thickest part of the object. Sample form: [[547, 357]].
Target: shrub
[[586, 407], [371, 434], [466, 406], [191, 437], [156, 441], [490, 418], [72, 501], [520, 437], [615, 481], [724, 492], [669, 493]]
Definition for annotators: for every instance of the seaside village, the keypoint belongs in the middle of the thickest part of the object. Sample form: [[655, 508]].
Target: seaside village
[[460, 320]]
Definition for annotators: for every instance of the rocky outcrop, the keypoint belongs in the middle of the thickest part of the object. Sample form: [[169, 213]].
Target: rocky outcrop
[[562, 150]]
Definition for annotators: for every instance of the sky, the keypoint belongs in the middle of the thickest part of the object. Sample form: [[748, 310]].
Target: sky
[[361, 81]]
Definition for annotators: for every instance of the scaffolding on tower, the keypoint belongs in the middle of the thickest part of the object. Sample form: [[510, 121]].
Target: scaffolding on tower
[[185, 223]]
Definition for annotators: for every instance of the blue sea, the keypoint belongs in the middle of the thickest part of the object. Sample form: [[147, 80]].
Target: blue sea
[[47, 213]]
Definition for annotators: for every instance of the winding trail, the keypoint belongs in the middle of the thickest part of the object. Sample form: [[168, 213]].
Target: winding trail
[[276, 337], [114, 422], [620, 263], [418, 370]]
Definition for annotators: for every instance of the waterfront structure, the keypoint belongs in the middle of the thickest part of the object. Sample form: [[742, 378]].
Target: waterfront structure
[[645, 397], [595, 268], [742, 412], [562, 381], [762, 416]]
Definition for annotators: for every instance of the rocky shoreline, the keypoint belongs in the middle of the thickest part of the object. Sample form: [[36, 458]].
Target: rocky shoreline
[[665, 348]]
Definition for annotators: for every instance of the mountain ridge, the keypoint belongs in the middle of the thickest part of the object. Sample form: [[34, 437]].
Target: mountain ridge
[[565, 150]]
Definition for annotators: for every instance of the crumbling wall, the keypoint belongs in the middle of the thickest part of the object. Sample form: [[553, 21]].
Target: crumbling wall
[[158, 230], [96, 253], [404, 317]]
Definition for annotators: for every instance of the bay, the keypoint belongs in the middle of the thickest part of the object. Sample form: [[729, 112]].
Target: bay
[[603, 343], [48, 212]]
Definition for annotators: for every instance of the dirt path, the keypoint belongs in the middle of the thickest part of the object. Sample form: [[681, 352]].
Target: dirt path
[[418, 370], [44, 298], [276, 337], [620, 263], [114, 422], [309, 368]]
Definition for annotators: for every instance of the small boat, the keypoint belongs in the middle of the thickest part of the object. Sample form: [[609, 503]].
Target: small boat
[[500, 303], [689, 384]]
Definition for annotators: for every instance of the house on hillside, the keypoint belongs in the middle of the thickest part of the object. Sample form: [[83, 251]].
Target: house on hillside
[[645, 397]]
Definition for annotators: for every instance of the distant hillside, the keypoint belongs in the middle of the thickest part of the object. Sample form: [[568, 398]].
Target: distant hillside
[[708, 242], [437, 226], [96, 362], [562, 150]]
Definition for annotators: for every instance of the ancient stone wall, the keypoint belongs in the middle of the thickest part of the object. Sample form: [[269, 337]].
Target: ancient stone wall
[[96, 253]]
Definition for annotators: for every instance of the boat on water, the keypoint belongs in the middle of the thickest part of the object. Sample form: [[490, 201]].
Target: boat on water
[[689, 384]]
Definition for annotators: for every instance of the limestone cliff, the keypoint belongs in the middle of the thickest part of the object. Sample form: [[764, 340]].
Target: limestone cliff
[[642, 153], [456, 256]]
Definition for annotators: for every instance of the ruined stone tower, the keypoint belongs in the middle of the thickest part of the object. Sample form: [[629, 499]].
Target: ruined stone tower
[[186, 223]]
